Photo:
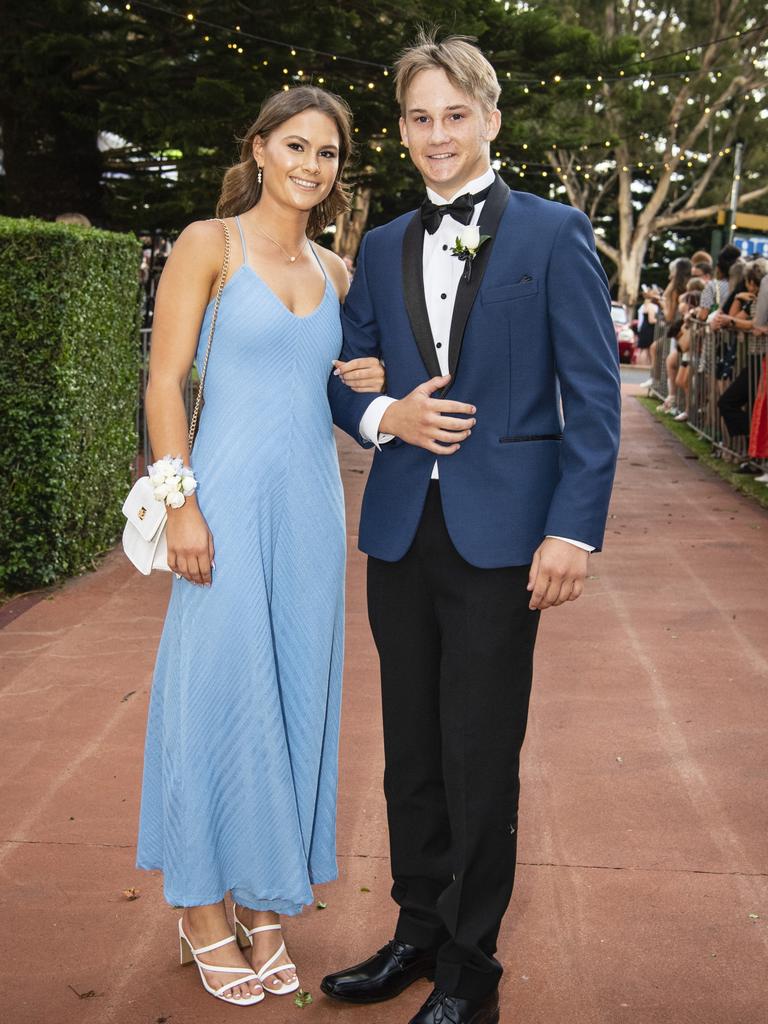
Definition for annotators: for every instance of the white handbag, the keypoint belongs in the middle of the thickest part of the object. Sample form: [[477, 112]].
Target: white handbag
[[144, 541]]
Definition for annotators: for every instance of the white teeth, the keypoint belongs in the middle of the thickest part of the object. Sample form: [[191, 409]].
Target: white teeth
[[441, 156], [305, 184]]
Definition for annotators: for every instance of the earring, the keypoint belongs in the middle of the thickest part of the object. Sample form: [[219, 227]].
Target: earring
[[258, 176]]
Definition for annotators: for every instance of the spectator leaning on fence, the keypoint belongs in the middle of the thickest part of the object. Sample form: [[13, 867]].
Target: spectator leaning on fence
[[679, 273], [677, 363], [749, 312], [742, 314], [681, 359], [702, 271], [716, 290]]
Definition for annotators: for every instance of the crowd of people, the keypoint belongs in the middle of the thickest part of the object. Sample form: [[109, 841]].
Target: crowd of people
[[721, 303]]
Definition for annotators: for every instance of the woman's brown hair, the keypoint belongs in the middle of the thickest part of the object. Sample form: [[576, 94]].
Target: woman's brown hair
[[240, 189]]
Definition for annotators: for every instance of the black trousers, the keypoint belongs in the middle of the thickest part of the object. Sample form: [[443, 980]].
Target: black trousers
[[733, 400], [456, 649]]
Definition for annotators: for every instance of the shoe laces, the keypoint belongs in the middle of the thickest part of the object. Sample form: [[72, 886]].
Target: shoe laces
[[396, 948], [446, 1010]]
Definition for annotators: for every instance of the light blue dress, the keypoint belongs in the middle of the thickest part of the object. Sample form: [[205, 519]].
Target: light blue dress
[[240, 765]]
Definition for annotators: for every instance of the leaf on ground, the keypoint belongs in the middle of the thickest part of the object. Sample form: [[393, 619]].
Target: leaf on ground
[[321, 905], [620, 760], [125, 698], [131, 894], [302, 998], [90, 994], [364, 888], [754, 917], [163, 1020]]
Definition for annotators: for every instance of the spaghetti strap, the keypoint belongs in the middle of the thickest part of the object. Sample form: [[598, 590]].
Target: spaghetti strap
[[312, 247], [242, 240]]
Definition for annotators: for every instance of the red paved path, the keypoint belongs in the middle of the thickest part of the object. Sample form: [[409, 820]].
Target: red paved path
[[643, 840]]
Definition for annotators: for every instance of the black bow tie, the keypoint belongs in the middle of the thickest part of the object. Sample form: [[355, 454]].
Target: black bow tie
[[461, 209]]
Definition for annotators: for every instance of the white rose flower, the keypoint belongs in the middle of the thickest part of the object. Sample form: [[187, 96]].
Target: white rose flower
[[188, 484], [176, 499], [470, 236], [156, 479]]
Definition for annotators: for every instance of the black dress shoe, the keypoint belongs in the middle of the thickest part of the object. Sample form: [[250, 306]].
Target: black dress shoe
[[441, 1008], [383, 976]]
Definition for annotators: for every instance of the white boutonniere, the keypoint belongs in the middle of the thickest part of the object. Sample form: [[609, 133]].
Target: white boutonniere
[[468, 243]]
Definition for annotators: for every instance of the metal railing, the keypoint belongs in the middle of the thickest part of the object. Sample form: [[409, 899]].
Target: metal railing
[[717, 360]]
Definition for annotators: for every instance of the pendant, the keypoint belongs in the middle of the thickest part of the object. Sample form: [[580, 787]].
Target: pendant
[[292, 259]]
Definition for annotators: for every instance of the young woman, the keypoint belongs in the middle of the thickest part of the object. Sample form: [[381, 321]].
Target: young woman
[[679, 274], [241, 756]]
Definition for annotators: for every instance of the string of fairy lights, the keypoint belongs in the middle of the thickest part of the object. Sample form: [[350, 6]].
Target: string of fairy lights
[[368, 76]]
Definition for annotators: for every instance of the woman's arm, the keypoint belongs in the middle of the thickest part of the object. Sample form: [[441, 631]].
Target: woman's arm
[[188, 280]]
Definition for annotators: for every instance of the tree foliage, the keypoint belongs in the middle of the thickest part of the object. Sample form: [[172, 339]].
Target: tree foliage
[[587, 92]]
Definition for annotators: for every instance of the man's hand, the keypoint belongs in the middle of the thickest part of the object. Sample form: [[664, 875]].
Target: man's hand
[[557, 575], [428, 422]]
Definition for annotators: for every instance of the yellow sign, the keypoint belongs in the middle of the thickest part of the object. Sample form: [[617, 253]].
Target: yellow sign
[[751, 221]]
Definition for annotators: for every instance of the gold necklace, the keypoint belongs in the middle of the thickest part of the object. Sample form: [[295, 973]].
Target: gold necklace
[[291, 259]]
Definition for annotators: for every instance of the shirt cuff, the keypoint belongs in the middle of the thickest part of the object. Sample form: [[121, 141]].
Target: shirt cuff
[[576, 543], [372, 417]]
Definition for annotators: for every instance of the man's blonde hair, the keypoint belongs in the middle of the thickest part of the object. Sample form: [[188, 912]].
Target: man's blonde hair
[[459, 58]]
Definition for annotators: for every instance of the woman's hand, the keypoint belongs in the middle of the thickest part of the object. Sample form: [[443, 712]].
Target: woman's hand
[[190, 544], [361, 374]]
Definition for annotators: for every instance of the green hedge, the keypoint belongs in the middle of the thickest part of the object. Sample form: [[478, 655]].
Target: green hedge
[[69, 359]]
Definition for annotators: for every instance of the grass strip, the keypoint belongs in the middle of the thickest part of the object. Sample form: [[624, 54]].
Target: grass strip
[[702, 449]]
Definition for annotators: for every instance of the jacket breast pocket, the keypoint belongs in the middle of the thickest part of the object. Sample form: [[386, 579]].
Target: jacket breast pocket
[[510, 291]]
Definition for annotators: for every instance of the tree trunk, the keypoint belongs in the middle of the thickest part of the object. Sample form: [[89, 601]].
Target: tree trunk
[[630, 270], [350, 226]]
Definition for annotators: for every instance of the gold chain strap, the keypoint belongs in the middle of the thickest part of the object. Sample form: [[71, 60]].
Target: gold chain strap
[[216, 304]]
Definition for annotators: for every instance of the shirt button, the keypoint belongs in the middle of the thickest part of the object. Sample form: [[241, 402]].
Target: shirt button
[[438, 344], [445, 248], [443, 296]]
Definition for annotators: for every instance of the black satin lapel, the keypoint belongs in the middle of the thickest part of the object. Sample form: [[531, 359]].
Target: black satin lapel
[[466, 293], [413, 291]]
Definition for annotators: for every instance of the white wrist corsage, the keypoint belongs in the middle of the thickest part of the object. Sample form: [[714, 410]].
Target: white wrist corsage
[[468, 242], [171, 481]]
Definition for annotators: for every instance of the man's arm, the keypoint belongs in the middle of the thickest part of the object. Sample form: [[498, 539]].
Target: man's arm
[[417, 419], [587, 366], [361, 339]]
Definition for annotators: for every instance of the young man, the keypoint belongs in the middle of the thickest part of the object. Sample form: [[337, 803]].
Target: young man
[[480, 511]]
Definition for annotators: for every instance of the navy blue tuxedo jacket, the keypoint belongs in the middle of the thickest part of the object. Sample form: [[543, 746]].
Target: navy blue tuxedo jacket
[[532, 326]]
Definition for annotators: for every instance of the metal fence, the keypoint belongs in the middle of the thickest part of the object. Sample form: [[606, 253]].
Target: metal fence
[[725, 372], [716, 360]]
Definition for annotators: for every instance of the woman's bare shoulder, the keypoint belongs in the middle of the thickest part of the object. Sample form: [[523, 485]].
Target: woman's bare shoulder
[[198, 252], [203, 237], [336, 270]]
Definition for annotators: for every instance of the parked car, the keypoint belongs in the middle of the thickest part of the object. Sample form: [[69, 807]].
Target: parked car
[[626, 338]]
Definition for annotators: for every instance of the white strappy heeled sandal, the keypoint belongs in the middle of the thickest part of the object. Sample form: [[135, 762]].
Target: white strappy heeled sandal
[[245, 939], [187, 954]]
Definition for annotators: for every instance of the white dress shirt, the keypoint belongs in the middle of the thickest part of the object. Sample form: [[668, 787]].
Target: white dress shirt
[[442, 272]]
